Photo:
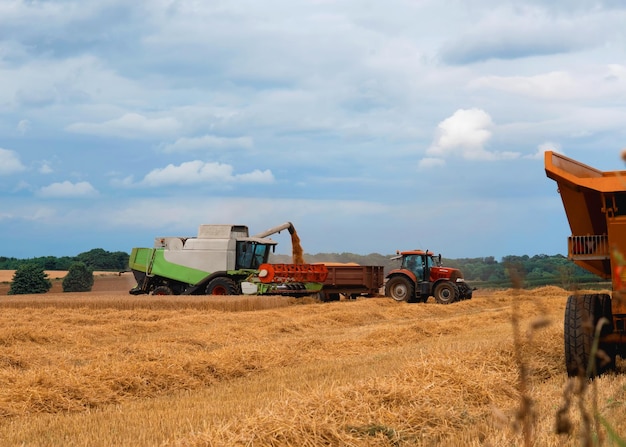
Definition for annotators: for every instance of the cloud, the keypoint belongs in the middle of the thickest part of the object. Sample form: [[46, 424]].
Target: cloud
[[543, 147], [553, 85], [603, 81], [130, 125], [10, 162], [524, 31], [256, 176], [185, 144], [45, 168], [68, 189], [430, 162], [196, 172], [465, 134], [23, 126]]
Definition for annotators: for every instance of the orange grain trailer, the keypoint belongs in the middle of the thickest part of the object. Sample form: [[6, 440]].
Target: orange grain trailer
[[595, 205]]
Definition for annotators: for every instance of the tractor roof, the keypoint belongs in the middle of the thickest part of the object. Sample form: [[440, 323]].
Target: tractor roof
[[416, 252]]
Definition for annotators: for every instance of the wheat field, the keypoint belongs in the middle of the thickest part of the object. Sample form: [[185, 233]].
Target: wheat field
[[107, 368]]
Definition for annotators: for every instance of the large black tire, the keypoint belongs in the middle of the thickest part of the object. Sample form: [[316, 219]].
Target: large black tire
[[582, 314], [400, 289], [446, 292], [222, 286]]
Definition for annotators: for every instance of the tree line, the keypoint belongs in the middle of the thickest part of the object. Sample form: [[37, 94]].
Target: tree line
[[524, 271], [96, 259]]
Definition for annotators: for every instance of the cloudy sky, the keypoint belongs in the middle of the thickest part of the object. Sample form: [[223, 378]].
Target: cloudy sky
[[372, 126]]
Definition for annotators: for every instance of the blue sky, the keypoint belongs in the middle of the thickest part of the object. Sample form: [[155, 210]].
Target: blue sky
[[372, 126]]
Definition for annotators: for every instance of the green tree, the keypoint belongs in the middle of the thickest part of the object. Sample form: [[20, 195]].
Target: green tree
[[100, 259], [29, 278], [79, 278]]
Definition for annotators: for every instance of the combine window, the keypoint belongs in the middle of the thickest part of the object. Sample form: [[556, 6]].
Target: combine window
[[251, 255]]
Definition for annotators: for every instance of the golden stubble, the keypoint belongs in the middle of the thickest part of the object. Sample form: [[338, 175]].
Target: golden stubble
[[111, 369]]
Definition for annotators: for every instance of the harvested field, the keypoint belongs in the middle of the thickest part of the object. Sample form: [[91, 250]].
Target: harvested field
[[107, 368]]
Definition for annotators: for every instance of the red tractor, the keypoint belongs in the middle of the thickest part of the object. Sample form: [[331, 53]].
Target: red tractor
[[421, 275]]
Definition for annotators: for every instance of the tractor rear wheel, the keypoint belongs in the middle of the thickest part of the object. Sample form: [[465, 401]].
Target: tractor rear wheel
[[446, 292], [582, 314], [400, 289], [221, 286]]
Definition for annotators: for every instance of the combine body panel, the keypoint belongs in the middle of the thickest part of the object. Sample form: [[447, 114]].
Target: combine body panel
[[421, 276], [221, 260], [595, 206]]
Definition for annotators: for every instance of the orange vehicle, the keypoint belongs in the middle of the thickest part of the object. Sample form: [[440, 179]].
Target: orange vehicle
[[421, 275], [595, 205]]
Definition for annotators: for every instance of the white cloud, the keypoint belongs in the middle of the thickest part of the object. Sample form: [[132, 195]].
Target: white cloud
[[195, 172], [595, 82], [68, 189], [130, 125], [23, 126], [256, 176], [125, 182], [10, 162], [185, 144], [45, 168], [466, 134], [543, 147], [430, 162], [523, 31]]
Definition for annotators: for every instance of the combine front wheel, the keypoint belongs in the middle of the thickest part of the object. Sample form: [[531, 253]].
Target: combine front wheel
[[221, 286], [446, 293], [400, 289]]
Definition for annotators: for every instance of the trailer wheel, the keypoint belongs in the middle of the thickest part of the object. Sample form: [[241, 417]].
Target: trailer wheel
[[162, 290], [221, 286], [400, 289], [446, 293], [582, 314]]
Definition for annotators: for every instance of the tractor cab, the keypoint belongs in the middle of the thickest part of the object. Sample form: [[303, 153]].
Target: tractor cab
[[419, 263]]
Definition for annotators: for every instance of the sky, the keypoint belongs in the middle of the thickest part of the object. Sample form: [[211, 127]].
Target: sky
[[371, 126]]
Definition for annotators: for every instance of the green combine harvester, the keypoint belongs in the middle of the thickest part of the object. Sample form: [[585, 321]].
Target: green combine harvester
[[223, 260]]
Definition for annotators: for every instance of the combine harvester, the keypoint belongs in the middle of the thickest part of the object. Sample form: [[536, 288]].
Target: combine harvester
[[595, 205], [223, 260]]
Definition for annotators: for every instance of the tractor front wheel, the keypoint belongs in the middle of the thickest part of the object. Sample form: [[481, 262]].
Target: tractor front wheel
[[400, 289], [446, 293], [221, 286]]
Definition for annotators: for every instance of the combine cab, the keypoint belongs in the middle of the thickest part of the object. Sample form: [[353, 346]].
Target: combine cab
[[595, 205]]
